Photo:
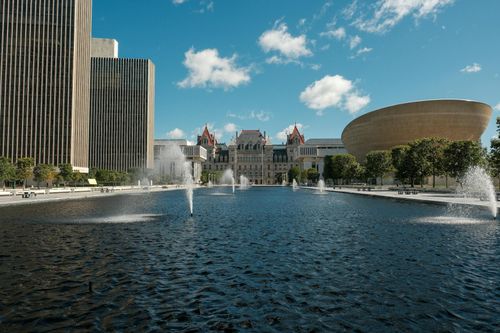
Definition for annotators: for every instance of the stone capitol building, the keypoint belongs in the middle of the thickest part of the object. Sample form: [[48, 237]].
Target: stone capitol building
[[252, 155]]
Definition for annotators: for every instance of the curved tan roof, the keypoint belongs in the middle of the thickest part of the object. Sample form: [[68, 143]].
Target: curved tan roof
[[400, 124]]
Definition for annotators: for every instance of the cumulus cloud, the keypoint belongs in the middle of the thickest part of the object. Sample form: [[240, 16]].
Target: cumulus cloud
[[259, 115], [355, 102], [289, 48], [176, 133], [178, 2], [230, 128], [338, 33], [474, 68], [333, 91], [497, 107], [387, 13], [207, 69], [354, 41], [281, 135]]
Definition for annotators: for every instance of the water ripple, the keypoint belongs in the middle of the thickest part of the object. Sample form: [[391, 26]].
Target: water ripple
[[262, 260]]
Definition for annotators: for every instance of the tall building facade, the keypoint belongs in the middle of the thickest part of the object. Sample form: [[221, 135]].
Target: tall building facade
[[122, 113], [45, 80]]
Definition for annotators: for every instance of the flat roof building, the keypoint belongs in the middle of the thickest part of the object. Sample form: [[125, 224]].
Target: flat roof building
[[104, 48], [45, 80], [122, 114]]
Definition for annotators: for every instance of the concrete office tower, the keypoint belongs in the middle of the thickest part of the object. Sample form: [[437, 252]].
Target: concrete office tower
[[45, 80], [122, 114], [104, 48]]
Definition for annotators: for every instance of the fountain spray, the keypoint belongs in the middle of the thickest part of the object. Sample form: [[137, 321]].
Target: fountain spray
[[476, 181]]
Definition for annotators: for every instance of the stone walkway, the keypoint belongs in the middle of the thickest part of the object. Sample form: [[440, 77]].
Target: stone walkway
[[58, 194], [435, 198]]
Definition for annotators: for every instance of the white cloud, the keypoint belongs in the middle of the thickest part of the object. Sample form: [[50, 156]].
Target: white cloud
[[355, 102], [350, 10], [290, 48], [362, 51], [338, 33], [497, 107], [281, 136], [207, 69], [354, 41], [230, 128], [259, 115], [178, 2], [474, 68], [333, 91], [326, 92], [316, 67], [388, 13], [176, 133]]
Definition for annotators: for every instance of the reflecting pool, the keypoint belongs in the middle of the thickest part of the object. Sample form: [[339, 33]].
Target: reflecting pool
[[265, 259]]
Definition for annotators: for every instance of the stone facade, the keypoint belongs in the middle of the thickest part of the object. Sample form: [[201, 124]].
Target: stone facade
[[252, 155]]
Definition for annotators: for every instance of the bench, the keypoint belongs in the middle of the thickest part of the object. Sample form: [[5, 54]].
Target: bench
[[28, 194]]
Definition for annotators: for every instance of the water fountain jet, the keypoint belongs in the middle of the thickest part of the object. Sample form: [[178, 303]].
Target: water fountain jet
[[244, 183], [321, 186], [477, 183], [228, 178]]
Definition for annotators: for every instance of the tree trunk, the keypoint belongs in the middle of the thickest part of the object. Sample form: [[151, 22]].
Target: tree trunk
[[433, 180], [446, 177]]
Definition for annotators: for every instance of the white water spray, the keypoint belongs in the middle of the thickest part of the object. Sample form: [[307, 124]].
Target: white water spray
[[173, 164], [244, 183], [476, 183], [321, 186], [210, 184], [295, 186], [228, 178], [189, 183]]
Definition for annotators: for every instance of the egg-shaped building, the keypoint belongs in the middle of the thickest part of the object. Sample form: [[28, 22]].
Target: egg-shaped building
[[400, 124]]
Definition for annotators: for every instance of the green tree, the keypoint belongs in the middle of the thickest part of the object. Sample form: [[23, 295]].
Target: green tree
[[24, 169], [419, 163], [303, 176], [312, 175], [344, 168], [44, 173], [428, 157], [494, 155], [7, 170], [66, 172], [459, 156], [378, 164], [294, 173], [436, 157], [399, 161], [328, 167]]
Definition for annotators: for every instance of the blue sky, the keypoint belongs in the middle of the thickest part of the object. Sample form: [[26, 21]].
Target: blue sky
[[267, 64]]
